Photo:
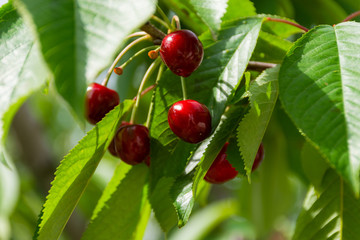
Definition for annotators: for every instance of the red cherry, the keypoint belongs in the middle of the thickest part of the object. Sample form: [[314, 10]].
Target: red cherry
[[111, 147], [221, 170], [182, 52], [99, 101], [132, 143], [190, 120], [258, 158]]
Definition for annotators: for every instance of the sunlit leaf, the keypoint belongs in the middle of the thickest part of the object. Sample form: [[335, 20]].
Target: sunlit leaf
[[319, 89]]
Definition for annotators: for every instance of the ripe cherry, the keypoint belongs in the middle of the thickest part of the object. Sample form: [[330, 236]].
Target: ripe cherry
[[132, 143], [182, 52], [221, 170], [258, 158], [111, 147], [190, 120], [99, 100]]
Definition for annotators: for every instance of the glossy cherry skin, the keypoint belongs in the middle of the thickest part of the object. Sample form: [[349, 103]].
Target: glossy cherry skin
[[258, 158], [182, 52], [132, 143], [111, 147], [190, 120], [99, 100], [221, 170]]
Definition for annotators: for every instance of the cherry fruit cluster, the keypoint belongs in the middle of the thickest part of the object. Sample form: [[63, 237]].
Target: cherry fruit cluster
[[182, 52]]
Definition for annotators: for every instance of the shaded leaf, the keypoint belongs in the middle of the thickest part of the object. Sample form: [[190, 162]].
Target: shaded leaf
[[331, 213], [80, 38], [319, 90], [263, 94], [74, 173]]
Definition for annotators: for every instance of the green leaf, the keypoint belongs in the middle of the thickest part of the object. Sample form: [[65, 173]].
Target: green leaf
[[162, 204], [186, 12], [206, 220], [80, 38], [234, 157], [238, 9], [21, 66], [319, 90], [119, 174], [210, 11], [330, 210], [331, 213], [270, 48], [121, 212], [263, 94], [74, 173]]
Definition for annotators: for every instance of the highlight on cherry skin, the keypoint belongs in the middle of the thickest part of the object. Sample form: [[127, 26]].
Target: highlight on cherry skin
[[132, 143], [99, 100], [221, 170], [182, 52], [190, 120]]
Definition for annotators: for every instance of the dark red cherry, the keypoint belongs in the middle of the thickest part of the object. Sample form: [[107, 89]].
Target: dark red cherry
[[132, 143], [259, 157], [221, 170], [111, 147], [190, 120], [99, 100], [182, 52]]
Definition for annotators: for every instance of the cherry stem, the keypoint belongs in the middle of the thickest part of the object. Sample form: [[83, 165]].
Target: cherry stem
[[183, 86], [154, 32], [351, 16], [175, 22], [136, 34], [163, 15], [147, 75], [148, 89], [137, 54], [161, 70], [157, 19], [133, 43], [287, 22], [259, 66]]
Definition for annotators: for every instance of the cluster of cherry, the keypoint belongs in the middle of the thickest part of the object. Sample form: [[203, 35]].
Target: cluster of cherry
[[182, 52]]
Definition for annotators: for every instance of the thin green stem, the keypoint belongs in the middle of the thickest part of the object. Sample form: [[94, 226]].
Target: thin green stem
[[147, 74], [183, 86], [136, 34], [161, 70], [137, 54], [165, 24], [117, 59], [163, 15]]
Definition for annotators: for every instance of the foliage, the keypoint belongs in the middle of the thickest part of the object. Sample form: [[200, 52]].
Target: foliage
[[50, 51]]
